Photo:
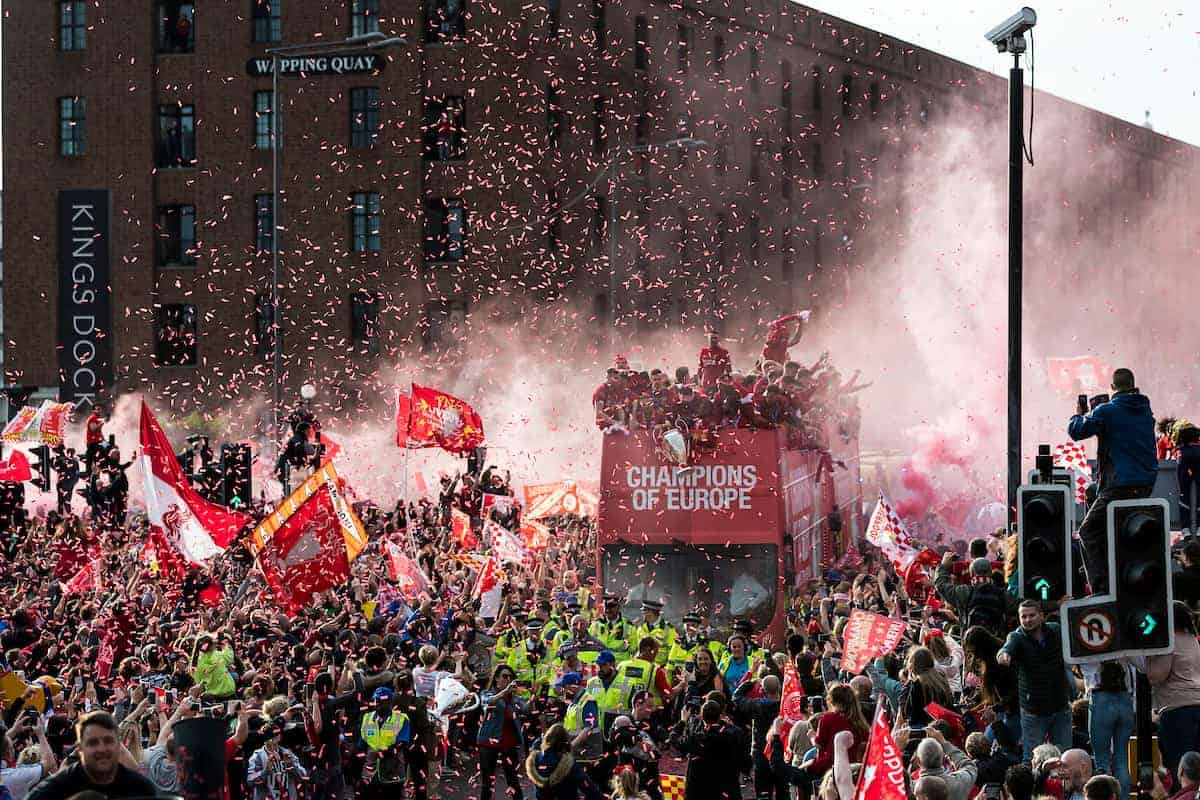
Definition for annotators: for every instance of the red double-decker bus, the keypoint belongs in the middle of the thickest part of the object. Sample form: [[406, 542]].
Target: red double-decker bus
[[730, 533]]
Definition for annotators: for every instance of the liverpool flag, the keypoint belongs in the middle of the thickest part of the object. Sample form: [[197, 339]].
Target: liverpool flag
[[306, 544], [182, 523], [437, 419]]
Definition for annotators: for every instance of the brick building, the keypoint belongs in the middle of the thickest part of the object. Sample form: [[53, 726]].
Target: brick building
[[475, 172]]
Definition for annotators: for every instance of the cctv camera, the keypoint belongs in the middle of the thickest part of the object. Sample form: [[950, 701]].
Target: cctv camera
[[1006, 34]]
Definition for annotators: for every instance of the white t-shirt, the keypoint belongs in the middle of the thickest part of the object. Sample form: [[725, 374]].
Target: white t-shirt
[[20, 780], [425, 682]]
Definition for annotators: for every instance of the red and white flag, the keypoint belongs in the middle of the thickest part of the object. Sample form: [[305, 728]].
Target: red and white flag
[[305, 546], [42, 425], [15, 468], [504, 544], [407, 574], [882, 776], [437, 419], [562, 497], [868, 636], [534, 535], [181, 521], [1072, 456], [489, 578], [887, 532], [791, 706], [501, 502], [460, 529], [90, 577]]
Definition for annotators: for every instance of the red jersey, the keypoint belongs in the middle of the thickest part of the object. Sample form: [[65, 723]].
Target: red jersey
[[714, 363], [779, 333], [95, 429]]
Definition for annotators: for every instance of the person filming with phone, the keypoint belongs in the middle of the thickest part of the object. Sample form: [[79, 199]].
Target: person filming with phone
[[1127, 455]]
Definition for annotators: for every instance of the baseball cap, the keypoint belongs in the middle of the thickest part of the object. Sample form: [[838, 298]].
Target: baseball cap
[[569, 679], [606, 657], [382, 693]]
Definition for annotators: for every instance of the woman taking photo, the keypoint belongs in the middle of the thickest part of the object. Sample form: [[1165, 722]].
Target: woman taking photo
[[500, 739], [699, 681]]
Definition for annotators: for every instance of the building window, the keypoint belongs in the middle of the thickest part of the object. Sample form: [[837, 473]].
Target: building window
[[847, 96], [364, 116], [641, 43], [264, 121], [641, 127], [599, 23], [175, 335], [445, 129], [554, 17], [264, 324], [925, 111], [176, 136], [685, 43], [755, 69], [445, 230], [599, 222], [72, 126], [755, 226], [817, 161], [444, 20], [264, 222], [555, 116], [721, 156], [756, 149], [72, 25], [366, 219], [816, 89], [364, 17], [364, 321], [785, 89], [177, 236], [787, 266], [785, 168], [176, 26], [599, 132], [718, 62], [554, 225], [268, 20], [875, 99]]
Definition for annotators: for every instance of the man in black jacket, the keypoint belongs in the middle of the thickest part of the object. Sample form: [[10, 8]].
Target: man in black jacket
[[1035, 650], [761, 712], [98, 769], [711, 750]]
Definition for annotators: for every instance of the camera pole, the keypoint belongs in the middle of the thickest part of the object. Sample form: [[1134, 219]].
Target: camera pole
[[1145, 749], [1016, 164]]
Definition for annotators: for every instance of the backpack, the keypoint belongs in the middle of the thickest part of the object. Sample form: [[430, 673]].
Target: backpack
[[986, 607], [1112, 677]]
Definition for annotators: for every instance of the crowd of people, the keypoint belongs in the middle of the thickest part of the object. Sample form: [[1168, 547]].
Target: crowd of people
[[369, 692]]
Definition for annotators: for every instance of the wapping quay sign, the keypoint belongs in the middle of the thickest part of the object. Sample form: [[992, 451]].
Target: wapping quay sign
[[346, 64], [85, 350]]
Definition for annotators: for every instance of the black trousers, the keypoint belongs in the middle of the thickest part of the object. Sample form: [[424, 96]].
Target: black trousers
[[509, 761], [1093, 533]]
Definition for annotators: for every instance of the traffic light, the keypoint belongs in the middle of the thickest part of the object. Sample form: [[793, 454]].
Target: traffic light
[[41, 467], [1140, 536], [1044, 530], [236, 486]]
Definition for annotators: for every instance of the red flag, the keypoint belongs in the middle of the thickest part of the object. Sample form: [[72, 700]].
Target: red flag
[[212, 594], [403, 412], [508, 548], [442, 420], [419, 478], [882, 776], [15, 468], [534, 534], [181, 521], [306, 545], [87, 578], [887, 532], [106, 652], [868, 636], [460, 529], [332, 448], [489, 577], [407, 574], [43, 425]]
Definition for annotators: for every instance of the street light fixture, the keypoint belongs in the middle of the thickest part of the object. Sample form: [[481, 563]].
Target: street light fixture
[[680, 143], [375, 40]]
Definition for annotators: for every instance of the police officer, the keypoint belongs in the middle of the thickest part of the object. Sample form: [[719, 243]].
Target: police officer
[[586, 646], [509, 639], [654, 626], [605, 688], [612, 629], [640, 673], [383, 731], [582, 595], [528, 660], [692, 639], [582, 719]]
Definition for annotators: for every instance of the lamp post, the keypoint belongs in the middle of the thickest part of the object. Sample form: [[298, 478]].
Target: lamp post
[[682, 143], [376, 40]]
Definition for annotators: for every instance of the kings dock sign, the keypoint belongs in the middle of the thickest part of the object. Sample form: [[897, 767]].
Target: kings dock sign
[[85, 349], [344, 64]]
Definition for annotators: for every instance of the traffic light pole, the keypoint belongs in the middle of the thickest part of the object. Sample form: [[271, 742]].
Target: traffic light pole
[[1016, 165], [1145, 750]]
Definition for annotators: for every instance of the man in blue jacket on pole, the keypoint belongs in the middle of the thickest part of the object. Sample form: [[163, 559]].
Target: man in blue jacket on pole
[[1127, 460]]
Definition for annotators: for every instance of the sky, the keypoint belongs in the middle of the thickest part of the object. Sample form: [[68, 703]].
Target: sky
[[1122, 58]]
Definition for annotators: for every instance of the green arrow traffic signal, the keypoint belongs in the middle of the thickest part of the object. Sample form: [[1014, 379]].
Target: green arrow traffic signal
[[1148, 624], [1042, 587]]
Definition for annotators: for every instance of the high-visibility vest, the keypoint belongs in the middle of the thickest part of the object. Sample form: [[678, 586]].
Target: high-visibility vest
[[663, 633], [593, 746], [379, 735], [682, 651], [506, 643], [608, 700], [534, 674], [615, 636], [633, 676]]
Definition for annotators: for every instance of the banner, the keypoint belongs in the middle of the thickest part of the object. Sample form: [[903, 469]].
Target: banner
[[15, 468], [887, 532], [90, 577], [791, 707], [1077, 375], [882, 775], [403, 412], [489, 578], [534, 535], [501, 502], [508, 548], [181, 521], [41, 425], [441, 420], [85, 351], [555, 499], [305, 546], [407, 574], [868, 636]]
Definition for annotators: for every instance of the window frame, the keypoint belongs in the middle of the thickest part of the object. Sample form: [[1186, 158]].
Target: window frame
[[364, 17], [683, 49], [368, 337], [72, 120], [72, 26], [437, 230], [164, 238], [166, 43], [366, 207], [182, 112], [641, 43], [264, 222], [364, 133], [266, 28], [435, 107], [264, 129], [160, 322]]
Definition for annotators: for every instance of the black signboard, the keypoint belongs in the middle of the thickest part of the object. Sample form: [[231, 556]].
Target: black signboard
[[85, 351], [344, 64]]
